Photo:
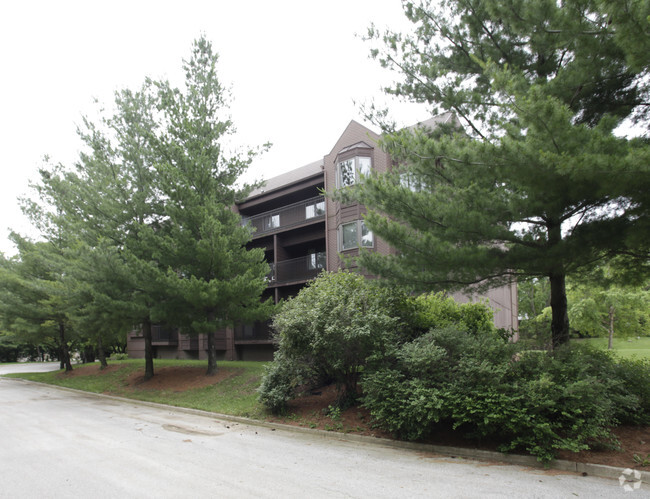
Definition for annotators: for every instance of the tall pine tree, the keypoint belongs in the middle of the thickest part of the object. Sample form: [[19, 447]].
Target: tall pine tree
[[215, 280], [529, 179]]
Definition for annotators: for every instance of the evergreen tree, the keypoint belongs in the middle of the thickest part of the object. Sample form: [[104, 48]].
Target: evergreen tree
[[214, 279], [33, 298], [111, 202], [528, 179]]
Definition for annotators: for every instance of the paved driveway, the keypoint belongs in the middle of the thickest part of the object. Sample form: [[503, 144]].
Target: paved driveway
[[58, 443], [29, 367]]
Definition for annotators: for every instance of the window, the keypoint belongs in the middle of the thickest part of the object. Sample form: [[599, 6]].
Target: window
[[316, 260], [349, 171], [271, 222], [315, 210], [346, 173], [354, 235], [366, 236]]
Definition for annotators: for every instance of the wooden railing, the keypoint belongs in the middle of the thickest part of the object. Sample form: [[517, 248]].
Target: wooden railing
[[164, 335], [297, 269], [259, 331], [312, 209]]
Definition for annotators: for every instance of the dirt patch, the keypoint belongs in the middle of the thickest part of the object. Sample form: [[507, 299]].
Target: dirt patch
[[633, 440], [316, 410], [179, 379]]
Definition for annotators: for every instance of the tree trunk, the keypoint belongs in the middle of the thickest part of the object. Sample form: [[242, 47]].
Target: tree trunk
[[611, 328], [65, 354], [101, 353], [212, 355], [148, 350], [560, 317]]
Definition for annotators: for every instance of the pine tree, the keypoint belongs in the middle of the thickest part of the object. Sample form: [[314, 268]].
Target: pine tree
[[215, 280], [529, 180], [33, 298], [112, 204]]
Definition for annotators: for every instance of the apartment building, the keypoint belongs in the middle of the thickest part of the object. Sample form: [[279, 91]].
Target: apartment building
[[303, 232]]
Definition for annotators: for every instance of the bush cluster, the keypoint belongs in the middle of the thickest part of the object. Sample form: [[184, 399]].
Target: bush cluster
[[329, 332], [487, 388], [428, 363]]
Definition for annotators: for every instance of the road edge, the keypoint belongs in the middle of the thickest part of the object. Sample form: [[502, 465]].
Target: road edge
[[585, 469]]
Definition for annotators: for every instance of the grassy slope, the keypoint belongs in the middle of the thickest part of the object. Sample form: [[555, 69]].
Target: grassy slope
[[236, 395]]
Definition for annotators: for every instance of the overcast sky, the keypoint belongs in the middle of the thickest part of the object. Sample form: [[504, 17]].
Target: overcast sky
[[296, 69]]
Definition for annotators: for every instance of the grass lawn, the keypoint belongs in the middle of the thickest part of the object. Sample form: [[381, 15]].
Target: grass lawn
[[232, 391], [624, 347]]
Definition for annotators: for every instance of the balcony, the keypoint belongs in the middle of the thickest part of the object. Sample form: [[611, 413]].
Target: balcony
[[163, 335], [219, 340], [189, 342], [292, 215], [257, 332], [297, 269]]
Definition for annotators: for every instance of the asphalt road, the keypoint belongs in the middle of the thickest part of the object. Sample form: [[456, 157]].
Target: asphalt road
[[57, 443]]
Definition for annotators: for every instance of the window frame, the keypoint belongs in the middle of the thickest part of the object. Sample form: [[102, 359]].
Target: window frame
[[318, 210], [359, 229], [361, 165]]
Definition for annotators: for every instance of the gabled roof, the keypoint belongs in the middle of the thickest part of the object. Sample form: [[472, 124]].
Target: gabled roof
[[316, 168]]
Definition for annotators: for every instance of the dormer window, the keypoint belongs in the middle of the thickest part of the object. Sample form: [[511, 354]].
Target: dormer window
[[350, 171]]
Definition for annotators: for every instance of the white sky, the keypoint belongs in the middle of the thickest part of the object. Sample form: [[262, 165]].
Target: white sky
[[295, 69]]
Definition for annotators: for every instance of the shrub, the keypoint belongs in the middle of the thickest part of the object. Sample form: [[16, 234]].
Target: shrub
[[281, 381], [335, 325], [485, 387], [437, 311]]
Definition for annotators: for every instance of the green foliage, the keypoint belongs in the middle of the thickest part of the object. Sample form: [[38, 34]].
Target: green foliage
[[343, 325], [534, 296], [610, 309], [439, 311], [34, 299], [281, 381], [143, 224], [336, 326], [526, 175], [488, 388]]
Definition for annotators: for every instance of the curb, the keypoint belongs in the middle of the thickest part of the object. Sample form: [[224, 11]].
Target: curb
[[585, 469]]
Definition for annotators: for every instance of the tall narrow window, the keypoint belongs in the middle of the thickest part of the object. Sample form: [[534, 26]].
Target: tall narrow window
[[346, 173], [363, 166], [350, 171], [367, 240]]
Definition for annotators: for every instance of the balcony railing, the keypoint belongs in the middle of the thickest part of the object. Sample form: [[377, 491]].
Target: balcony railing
[[163, 335], [189, 342], [259, 331], [288, 216], [297, 269]]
